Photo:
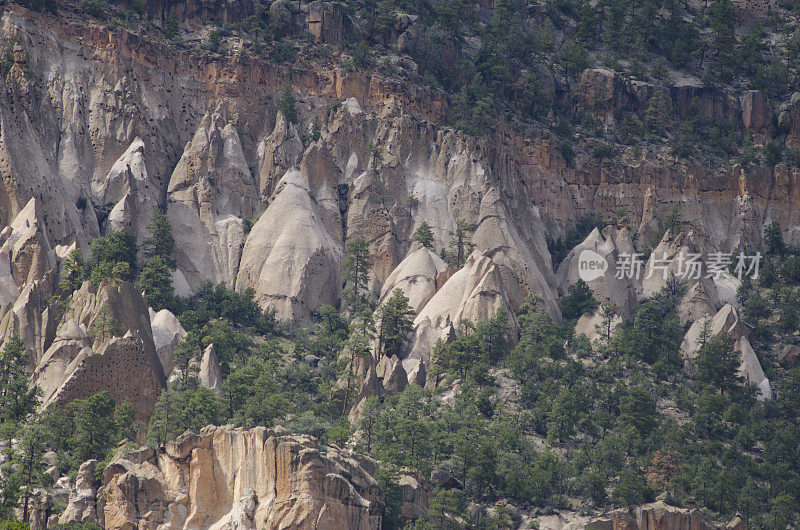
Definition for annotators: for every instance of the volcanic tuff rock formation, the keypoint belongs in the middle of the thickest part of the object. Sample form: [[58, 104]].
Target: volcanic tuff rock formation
[[727, 321], [610, 245], [210, 192], [103, 342], [167, 333], [99, 127], [659, 515], [237, 478]]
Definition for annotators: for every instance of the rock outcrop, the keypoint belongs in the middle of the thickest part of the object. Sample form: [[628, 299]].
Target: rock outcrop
[[474, 293], [25, 252], [609, 286], [104, 342], [657, 515], [727, 321], [236, 478], [210, 373], [82, 506], [419, 276], [291, 259], [167, 333], [210, 193]]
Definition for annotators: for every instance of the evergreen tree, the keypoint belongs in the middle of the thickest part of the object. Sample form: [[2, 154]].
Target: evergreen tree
[[155, 280], [164, 422], [187, 355], [369, 415], [161, 243], [356, 276], [362, 332], [722, 17], [17, 400], [109, 251], [718, 364], [773, 238], [673, 221], [396, 322], [460, 243], [424, 235], [608, 312], [94, 427], [72, 271], [104, 327], [578, 301], [31, 464], [656, 117], [286, 104]]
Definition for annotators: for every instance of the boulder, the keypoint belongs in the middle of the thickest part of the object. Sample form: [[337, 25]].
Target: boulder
[[210, 373], [750, 370], [167, 333], [445, 479], [414, 495], [237, 478]]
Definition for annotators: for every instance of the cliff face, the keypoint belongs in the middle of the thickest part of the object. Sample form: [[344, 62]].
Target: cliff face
[[102, 126], [235, 478]]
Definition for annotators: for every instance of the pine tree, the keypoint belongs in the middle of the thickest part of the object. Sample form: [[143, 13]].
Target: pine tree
[[656, 116], [718, 364], [369, 415], [17, 400], [460, 243], [356, 276], [608, 312], [186, 356], [424, 235], [578, 301], [286, 104], [722, 17], [396, 322], [72, 271], [155, 280], [163, 422], [362, 332], [161, 243], [30, 463], [773, 238], [95, 430]]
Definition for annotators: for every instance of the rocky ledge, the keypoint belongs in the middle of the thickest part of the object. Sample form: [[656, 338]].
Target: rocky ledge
[[228, 477]]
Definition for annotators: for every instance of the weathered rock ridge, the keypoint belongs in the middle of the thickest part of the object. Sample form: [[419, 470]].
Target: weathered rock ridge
[[236, 478], [99, 127]]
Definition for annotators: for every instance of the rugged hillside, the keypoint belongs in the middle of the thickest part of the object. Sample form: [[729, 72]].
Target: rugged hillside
[[366, 222]]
